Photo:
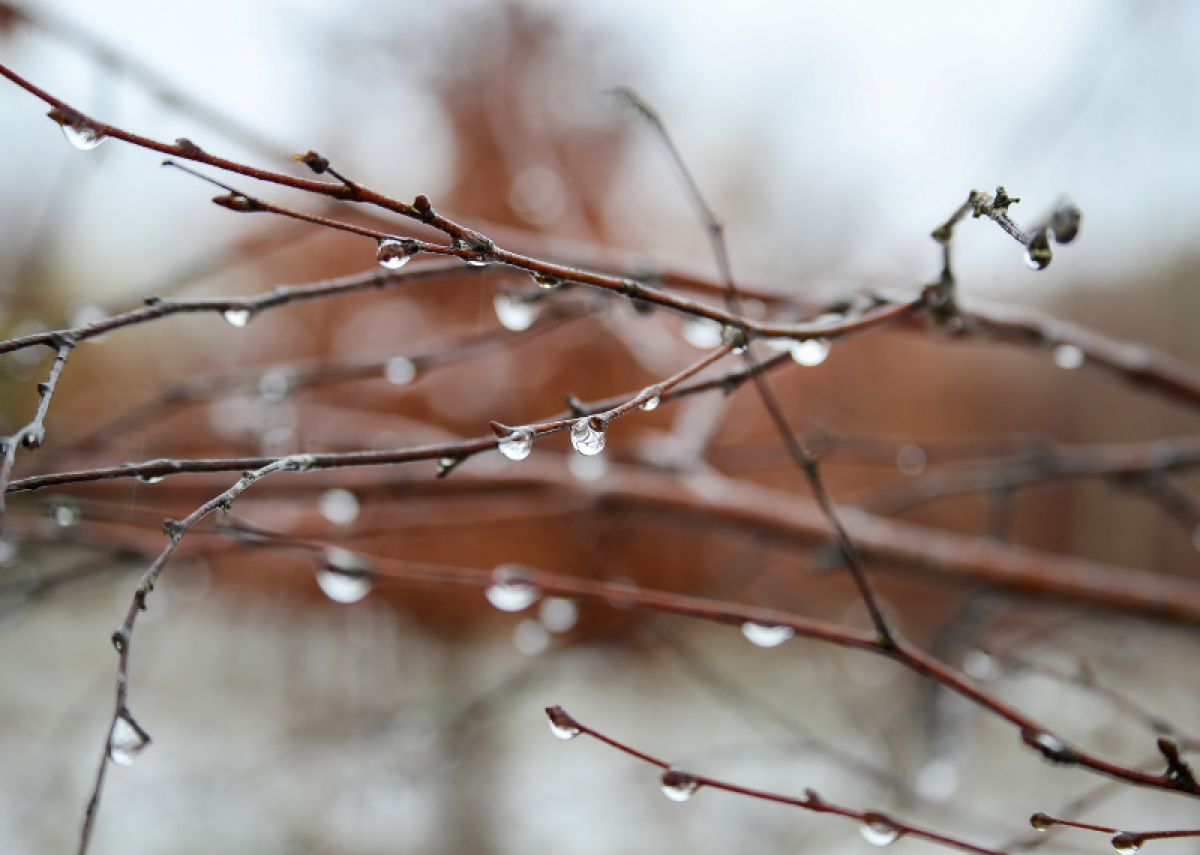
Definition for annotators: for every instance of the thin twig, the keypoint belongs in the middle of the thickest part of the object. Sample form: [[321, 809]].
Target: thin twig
[[33, 434]]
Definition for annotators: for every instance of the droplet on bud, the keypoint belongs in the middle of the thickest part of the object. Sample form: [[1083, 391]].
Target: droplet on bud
[[515, 313], [810, 352], [1037, 251], [678, 785], [702, 333], [1068, 356], [878, 830], [1127, 842], [82, 136], [517, 445], [400, 371], [512, 592], [393, 254], [561, 724], [653, 398], [126, 740], [237, 317], [586, 437], [344, 576], [1042, 821], [766, 635], [1065, 222]]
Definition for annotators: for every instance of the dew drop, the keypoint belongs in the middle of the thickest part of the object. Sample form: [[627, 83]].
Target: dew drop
[[530, 638], [65, 515], [515, 313], [1065, 222], [546, 282], [1037, 251], [911, 460], [1127, 842], [585, 438], [400, 371], [517, 445], [237, 317], [511, 592], [344, 577], [339, 506], [702, 333], [878, 830], [810, 352], [734, 337], [393, 254], [558, 614], [126, 740], [1068, 356], [653, 398], [561, 724], [82, 137], [766, 635], [1042, 821], [679, 786], [150, 479], [981, 665]]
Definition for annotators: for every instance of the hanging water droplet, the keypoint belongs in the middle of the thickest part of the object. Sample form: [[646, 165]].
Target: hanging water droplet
[[1042, 821], [344, 576], [82, 136], [766, 635], [1068, 356], [339, 506], [515, 313], [734, 337], [237, 317], [702, 333], [981, 665], [547, 282], [1127, 842], [512, 592], [811, 351], [517, 445], [653, 398], [126, 740], [393, 254], [878, 830], [530, 638], [476, 262], [561, 724], [586, 437], [678, 785], [150, 479], [400, 371], [911, 460], [1065, 222], [65, 515], [557, 614], [1037, 251]]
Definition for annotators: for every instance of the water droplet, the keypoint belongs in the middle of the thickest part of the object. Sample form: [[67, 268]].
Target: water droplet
[[1068, 356], [557, 614], [1127, 842], [585, 437], [911, 460], [517, 445], [561, 724], [475, 262], [1065, 222], [779, 345], [702, 333], [1042, 821], [678, 785], [339, 506], [126, 740], [981, 665], [515, 313], [150, 479], [344, 576], [393, 254], [878, 830], [734, 337], [766, 635], [530, 638], [237, 317], [400, 371], [546, 282], [1037, 251], [82, 137], [938, 780], [587, 468], [65, 515], [511, 591], [811, 351], [653, 398], [274, 386]]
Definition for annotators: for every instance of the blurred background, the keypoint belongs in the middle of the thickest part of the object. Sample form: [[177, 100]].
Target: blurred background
[[831, 138]]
